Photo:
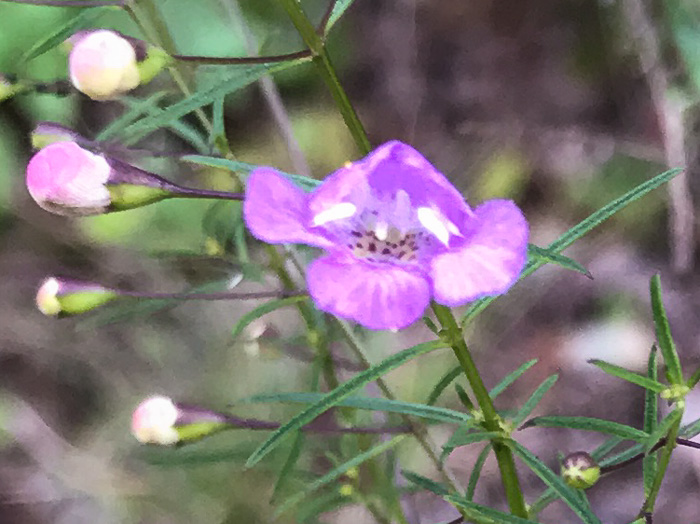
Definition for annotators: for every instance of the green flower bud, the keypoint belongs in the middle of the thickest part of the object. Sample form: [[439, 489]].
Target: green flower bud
[[580, 470], [57, 297]]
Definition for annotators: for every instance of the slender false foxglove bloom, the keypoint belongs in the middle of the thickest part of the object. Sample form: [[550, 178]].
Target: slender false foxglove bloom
[[66, 179], [396, 233], [59, 297]]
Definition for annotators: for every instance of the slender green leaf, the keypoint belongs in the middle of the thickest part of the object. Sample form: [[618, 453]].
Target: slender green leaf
[[589, 424], [74, 24], [340, 393], [264, 309], [548, 256], [374, 404], [245, 168], [690, 430], [662, 429], [534, 399], [464, 398], [465, 436], [338, 471], [483, 514], [663, 334], [651, 422], [425, 483], [476, 472], [135, 108], [570, 496], [322, 503], [630, 376], [622, 456], [443, 384], [339, 9], [579, 230], [238, 79], [694, 379], [510, 378], [288, 466]]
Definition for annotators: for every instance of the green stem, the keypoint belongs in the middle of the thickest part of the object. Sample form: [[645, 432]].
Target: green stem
[[454, 335], [322, 61], [664, 459]]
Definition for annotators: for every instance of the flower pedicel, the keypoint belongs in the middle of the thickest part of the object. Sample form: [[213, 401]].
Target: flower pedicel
[[396, 233]]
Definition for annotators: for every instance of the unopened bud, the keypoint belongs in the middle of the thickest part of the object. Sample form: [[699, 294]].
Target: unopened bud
[[580, 470], [58, 297], [102, 64], [65, 179], [159, 420]]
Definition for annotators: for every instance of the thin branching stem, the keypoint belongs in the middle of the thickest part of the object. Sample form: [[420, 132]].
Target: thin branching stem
[[243, 60]]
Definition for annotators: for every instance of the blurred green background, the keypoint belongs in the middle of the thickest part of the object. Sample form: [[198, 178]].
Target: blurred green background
[[541, 101]]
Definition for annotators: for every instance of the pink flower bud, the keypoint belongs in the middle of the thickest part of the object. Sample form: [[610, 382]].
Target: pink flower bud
[[153, 421], [103, 65], [66, 179]]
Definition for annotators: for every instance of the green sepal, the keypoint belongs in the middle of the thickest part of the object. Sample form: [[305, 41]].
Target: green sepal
[[197, 431], [80, 302], [156, 60], [129, 196]]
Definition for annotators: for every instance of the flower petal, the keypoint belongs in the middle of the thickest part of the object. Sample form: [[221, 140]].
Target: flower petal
[[489, 261], [376, 296], [392, 172], [276, 211]]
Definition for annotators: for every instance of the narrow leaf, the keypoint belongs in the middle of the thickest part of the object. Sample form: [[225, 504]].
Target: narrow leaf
[[374, 404], [464, 437], [264, 309], [570, 496], [425, 483], [579, 230], [238, 79], [476, 472], [663, 334], [510, 378], [662, 429], [288, 466], [630, 376], [74, 24], [589, 424], [651, 422], [547, 256], [245, 168], [534, 399], [136, 107], [338, 11], [338, 394], [443, 384], [464, 398], [690, 430], [478, 513], [338, 471]]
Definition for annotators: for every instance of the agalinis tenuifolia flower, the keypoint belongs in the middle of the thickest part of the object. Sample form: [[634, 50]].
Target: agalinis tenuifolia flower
[[58, 297], [396, 233], [66, 179]]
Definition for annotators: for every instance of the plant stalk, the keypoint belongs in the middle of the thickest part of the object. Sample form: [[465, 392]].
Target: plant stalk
[[509, 476]]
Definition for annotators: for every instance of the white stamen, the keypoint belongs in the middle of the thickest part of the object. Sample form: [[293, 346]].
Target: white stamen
[[337, 212], [430, 220], [381, 229], [452, 228]]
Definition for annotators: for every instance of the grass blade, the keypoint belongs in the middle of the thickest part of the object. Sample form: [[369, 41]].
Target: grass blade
[[579, 230], [483, 514], [663, 334], [443, 384], [646, 382], [589, 424], [425, 483], [570, 496], [340, 393]]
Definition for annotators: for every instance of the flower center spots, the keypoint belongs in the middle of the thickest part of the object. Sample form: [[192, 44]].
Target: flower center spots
[[394, 247]]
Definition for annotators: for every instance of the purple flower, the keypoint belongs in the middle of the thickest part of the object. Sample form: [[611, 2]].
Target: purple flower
[[396, 233]]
